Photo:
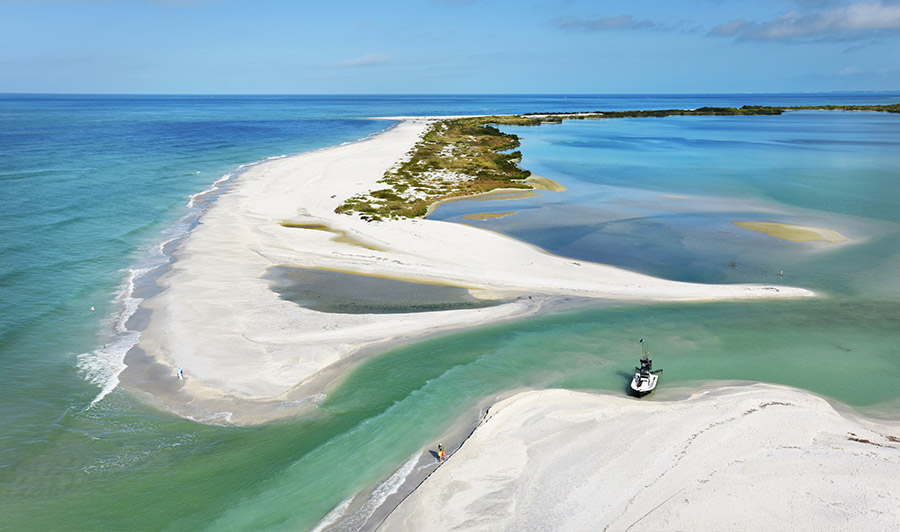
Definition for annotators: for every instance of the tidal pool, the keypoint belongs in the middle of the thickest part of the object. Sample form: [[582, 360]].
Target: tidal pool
[[347, 293]]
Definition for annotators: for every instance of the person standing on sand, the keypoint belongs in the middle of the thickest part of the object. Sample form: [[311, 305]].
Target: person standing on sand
[[440, 452], [180, 373]]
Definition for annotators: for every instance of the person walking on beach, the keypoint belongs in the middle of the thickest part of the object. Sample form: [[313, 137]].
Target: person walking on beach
[[440, 452], [180, 373]]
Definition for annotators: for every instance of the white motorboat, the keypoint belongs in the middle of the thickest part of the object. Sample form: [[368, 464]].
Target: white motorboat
[[645, 377]]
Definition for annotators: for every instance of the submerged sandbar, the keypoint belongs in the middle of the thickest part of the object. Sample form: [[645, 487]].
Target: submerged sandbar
[[794, 233], [488, 215]]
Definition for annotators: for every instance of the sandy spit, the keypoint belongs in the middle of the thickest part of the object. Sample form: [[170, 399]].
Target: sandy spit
[[752, 457], [242, 347]]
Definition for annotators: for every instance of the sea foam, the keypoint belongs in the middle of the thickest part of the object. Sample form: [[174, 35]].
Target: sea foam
[[103, 365], [338, 518]]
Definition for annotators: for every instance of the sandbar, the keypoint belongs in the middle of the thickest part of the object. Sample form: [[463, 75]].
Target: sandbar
[[741, 457], [794, 233], [488, 215], [544, 183], [242, 347]]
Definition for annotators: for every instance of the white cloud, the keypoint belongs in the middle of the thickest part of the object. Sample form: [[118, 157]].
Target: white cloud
[[857, 21], [365, 60], [817, 4], [623, 22], [852, 71]]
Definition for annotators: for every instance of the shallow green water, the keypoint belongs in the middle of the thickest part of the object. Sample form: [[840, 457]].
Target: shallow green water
[[119, 465], [292, 473]]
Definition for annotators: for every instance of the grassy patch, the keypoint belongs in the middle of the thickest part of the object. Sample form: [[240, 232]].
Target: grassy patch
[[457, 157]]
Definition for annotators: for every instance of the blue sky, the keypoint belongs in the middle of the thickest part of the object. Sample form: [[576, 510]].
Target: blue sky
[[448, 46]]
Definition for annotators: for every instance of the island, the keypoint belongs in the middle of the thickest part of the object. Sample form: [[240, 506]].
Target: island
[[357, 215], [251, 356]]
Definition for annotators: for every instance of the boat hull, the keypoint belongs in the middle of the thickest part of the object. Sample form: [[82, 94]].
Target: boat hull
[[641, 387]]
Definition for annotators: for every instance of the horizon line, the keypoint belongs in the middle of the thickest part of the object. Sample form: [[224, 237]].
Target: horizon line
[[436, 94]]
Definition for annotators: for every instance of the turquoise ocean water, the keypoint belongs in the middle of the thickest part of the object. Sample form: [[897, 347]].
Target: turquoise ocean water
[[93, 187]]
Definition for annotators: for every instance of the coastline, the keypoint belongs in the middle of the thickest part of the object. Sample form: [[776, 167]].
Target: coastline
[[117, 459], [724, 457], [249, 356]]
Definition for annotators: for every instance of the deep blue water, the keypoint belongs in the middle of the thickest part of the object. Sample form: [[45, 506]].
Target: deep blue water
[[91, 186]]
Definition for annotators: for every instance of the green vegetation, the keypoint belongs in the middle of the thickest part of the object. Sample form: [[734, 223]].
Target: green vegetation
[[892, 108], [660, 113], [458, 157], [467, 156], [712, 111]]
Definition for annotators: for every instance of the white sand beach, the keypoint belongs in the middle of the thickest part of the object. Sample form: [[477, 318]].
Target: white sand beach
[[239, 343], [750, 457]]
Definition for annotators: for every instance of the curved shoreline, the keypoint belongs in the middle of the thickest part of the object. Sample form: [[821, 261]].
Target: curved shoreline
[[537, 183], [249, 356], [766, 454]]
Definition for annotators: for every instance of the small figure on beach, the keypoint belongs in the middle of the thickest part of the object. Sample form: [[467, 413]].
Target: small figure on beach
[[180, 373], [440, 452]]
